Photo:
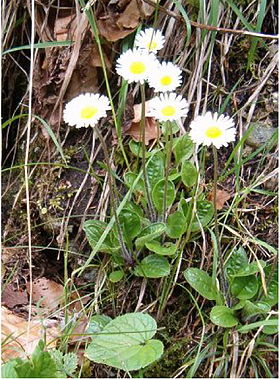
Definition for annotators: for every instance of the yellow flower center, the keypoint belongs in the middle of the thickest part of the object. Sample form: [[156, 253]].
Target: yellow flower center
[[137, 68], [213, 132], [88, 112], [168, 110], [152, 45], [166, 80]]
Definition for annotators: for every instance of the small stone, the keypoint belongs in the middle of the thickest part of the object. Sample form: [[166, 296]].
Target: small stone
[[260, 134]]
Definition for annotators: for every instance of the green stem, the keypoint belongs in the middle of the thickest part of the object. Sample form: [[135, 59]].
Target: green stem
[[151, 211], [223, 277], [113, 199], [167, 164], [92, 21]]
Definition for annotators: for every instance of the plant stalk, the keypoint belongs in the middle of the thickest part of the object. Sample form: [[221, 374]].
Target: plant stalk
[[167, 165], [113, 199], [223, 280], [151, 210]]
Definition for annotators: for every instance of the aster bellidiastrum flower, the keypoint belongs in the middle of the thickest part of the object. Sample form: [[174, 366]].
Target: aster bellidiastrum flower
[[150, 39], [169, 106], [167, 77], [86, 110], [136, 65], [212, 129]]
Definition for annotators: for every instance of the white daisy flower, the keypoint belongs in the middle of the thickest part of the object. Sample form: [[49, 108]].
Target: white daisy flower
[[86, 110], [167, 77], [136, 65], [150, 39], [213, 129], [169, 106]]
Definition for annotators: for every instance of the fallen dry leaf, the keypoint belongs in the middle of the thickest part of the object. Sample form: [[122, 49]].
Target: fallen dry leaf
[[152, 131], [130, 17], [147, 10], [222, 197], [12, 297], [109, 29], [96, 60], [47, 292], [65, 28], [14, 333]]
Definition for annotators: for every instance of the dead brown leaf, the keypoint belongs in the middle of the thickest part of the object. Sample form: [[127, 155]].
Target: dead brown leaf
[[96, 60], [109, 29], [147, 10], [47, 292], [152, 131], [222, 197], [65, 28], [12, 297], [14, 333], [130, 17]]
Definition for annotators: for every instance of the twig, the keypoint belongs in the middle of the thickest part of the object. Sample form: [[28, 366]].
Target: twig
[[209, 27]]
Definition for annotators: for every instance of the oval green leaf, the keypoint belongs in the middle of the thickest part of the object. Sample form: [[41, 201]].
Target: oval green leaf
[[244, 287], [153, 266], [125, 343], [183, 148], [94, 230], [116, 276], [155, 169], [159, 193], [236, 262], [130, 224], [150, 233], [176, 225], [223, 316], [189, 174], [168, 248], [201, 282]]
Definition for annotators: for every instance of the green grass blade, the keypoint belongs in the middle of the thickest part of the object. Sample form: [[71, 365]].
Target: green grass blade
[[185, 16], [39, 45], [254, 325]]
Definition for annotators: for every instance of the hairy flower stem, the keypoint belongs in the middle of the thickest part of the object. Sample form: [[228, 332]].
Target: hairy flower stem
[[221, 259], [167, 164], [113, 199], [151, 210]]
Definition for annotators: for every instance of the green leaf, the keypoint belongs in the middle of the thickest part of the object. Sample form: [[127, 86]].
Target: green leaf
[[134, 208], [183, 148], [176, 225], [252, 309], [237, 261], [116, 276], [250, 269], [239, 305], [70, 363], [244, 287], [189, 174], [40, 45], [168, 248], [98, 323], [158, 194], [41, 365], [155, 169], [150, 233], [125, 343], [153, 266], [136, 149], [204, 213], [201, 282], [271, 329], [247, 328], [8, 369], [94, 230], [223, 316], [129, 179], [272, 287], [130, 224]]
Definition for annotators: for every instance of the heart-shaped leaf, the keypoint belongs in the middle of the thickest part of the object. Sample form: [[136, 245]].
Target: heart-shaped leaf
[[201, 282], [159, 194], [223, 316], [153, 266], [125, 343], [168, 248]]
